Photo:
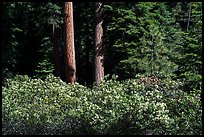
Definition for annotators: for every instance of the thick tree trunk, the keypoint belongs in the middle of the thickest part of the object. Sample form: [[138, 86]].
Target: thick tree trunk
[[70, 64], [56, 52], [98, 49]]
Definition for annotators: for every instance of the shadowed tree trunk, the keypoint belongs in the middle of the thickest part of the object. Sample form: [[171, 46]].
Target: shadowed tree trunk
[[70, 64], [56, 52], [189, 17], [98, 49]]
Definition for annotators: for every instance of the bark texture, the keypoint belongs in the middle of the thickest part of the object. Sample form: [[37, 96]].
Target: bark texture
[[70, 64], [98, 49]]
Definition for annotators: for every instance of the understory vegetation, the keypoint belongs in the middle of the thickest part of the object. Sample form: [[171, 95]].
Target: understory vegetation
[[50, 106]]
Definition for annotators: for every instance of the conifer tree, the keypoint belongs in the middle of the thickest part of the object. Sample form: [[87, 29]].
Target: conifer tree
[[98, 49], [70, 64]]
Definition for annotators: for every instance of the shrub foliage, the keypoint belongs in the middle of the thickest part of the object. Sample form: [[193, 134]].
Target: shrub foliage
[[50, 106]]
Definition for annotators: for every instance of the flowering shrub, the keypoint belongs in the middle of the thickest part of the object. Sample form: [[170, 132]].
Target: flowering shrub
[[33, 106]]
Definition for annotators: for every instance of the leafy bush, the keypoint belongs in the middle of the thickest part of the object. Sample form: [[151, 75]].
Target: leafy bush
[[33, 106]]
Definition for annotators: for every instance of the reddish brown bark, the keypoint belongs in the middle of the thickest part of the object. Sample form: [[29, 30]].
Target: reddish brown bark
[[70, 64], [98, 49]]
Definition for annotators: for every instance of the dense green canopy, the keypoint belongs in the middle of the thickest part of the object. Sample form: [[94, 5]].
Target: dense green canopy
[[150, 38]]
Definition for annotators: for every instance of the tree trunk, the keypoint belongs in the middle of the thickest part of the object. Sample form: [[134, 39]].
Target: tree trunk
[[70, 64], [56, 52], [189, 17], [98, 49]]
